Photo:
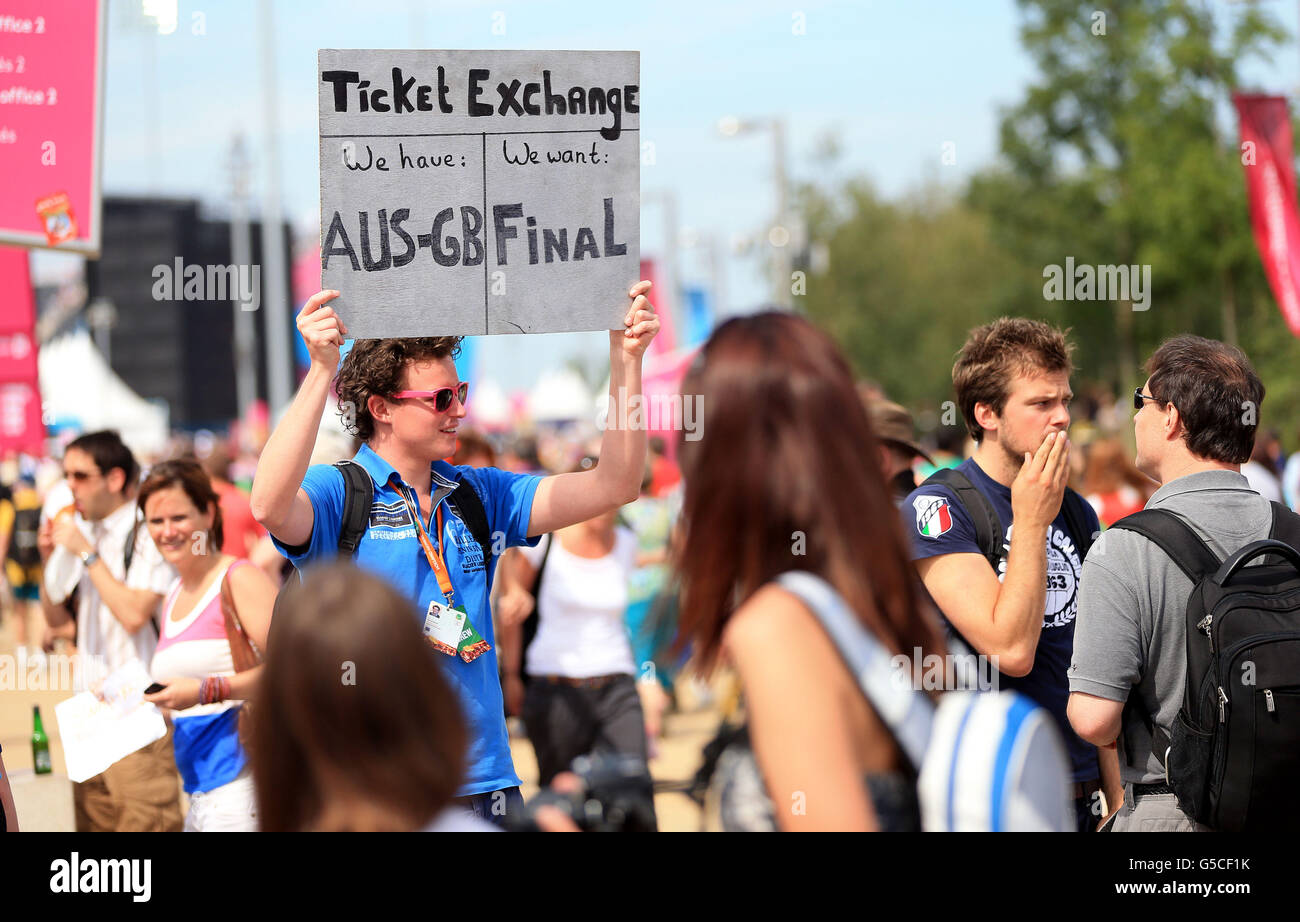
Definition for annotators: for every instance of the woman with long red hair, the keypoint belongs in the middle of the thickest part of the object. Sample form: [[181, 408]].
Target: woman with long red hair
[[786, 477]]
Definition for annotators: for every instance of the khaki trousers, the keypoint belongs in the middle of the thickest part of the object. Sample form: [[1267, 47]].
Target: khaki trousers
[[1153, 813], [137, 794]]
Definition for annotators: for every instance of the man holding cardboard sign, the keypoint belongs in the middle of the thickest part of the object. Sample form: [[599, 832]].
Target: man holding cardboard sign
[[408, 404], [461, 193]]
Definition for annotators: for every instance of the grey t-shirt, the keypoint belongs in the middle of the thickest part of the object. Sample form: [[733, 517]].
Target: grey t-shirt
[[1131, 630]]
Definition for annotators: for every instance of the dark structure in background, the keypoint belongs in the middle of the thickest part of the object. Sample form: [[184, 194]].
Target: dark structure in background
[[181, 351]]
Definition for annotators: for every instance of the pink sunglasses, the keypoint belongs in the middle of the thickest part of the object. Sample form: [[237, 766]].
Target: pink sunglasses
[[441, 397]]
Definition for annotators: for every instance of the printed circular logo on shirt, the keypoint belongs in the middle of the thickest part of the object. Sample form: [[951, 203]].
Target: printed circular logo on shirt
[[1063, 571]]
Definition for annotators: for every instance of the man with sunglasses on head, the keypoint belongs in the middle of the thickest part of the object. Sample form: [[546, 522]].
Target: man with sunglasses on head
[[403, 399], [122, 580]]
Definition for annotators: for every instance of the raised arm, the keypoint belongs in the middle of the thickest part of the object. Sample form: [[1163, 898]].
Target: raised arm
[[1004, 619], [566, 499], [278, 501], [56, 615], [132, 607]]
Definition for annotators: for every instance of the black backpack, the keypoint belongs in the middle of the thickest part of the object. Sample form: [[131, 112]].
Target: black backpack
[[990, 533], [22, 543], [1232, 755], [528, 628], [359, 494]]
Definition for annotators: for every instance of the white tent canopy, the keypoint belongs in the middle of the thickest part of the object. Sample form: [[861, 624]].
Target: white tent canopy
[[79, 389], [489, 407], [560, 396]]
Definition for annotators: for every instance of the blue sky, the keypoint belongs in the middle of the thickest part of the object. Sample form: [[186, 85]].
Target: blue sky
[[893, 81]]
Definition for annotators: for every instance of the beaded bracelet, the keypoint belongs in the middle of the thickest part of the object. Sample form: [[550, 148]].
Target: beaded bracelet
[[214, 688]]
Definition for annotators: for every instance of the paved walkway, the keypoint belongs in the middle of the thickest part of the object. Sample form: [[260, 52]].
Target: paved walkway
[[685, 735]]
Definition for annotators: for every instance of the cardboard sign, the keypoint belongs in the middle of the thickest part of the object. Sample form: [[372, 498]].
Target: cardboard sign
[[473, 192]]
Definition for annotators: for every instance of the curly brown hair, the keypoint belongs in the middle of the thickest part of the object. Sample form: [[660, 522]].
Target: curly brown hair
[[997, 352], [375, 367]]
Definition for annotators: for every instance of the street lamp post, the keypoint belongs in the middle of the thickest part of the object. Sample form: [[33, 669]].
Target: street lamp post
[[241, 254], [778, 235], [279, 370]]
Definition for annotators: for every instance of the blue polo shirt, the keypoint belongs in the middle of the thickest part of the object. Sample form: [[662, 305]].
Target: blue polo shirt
[[391, 549]]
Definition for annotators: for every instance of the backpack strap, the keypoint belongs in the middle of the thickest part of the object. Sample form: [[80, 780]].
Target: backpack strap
[[465, 503], [358, 496], [907, 713], [128, 554], [1286, 526], [1076, 520], [128, 550], [988, 526], [1171, 533], [530, 623], [541, 566]]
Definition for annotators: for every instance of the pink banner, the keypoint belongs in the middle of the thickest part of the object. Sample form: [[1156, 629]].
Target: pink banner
[[21, 427], [50, 97], [666, 341], [1270, 186]]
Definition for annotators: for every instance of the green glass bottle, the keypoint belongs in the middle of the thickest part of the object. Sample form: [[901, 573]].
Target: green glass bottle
[[40, 744]]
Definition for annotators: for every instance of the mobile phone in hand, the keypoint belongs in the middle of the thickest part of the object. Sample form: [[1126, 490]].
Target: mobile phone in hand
[[154, 689]]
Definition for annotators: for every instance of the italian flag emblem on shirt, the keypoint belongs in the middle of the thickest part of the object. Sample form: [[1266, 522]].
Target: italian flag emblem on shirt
[[933, 516]]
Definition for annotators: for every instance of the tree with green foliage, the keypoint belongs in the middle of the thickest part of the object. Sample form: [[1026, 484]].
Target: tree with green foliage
[[1123, 151]]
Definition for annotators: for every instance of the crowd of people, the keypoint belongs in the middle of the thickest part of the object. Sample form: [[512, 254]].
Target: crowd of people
[[341, 646]]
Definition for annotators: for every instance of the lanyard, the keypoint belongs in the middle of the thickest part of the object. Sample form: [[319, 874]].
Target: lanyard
[[433, 554]]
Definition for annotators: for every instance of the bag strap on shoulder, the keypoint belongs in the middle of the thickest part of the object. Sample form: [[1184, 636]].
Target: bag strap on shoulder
[[358, 496], [905, 711], [128, 550], [1168, 531], [1076, 519], [128, 554], [1286, 526], [988, 526], [530, 623], [467, 506], [244, 654]]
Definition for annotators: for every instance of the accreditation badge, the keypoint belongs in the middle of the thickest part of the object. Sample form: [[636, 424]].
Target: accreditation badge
[[443, 627]]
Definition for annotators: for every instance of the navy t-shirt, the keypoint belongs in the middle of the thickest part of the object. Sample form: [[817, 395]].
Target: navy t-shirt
[[938, 525]]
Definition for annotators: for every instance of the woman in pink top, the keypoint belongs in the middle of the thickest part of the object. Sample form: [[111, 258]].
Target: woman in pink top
[[193, 658]]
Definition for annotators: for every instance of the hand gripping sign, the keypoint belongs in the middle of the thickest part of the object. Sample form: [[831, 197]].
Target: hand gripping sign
[[473, 192]]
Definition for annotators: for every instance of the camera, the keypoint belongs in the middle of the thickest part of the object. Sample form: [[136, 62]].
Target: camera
[[617, 795]]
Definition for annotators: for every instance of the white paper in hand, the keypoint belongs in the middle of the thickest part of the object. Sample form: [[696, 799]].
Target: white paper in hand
[[95, 733], [62, 573]]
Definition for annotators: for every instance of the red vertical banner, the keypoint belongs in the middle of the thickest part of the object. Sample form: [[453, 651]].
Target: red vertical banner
[[666, 341], [21, 427], [1270, 186]]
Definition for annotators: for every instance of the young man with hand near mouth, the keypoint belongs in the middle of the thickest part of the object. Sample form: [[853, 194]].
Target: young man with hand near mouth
[[405, 401], [1017, 605]]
